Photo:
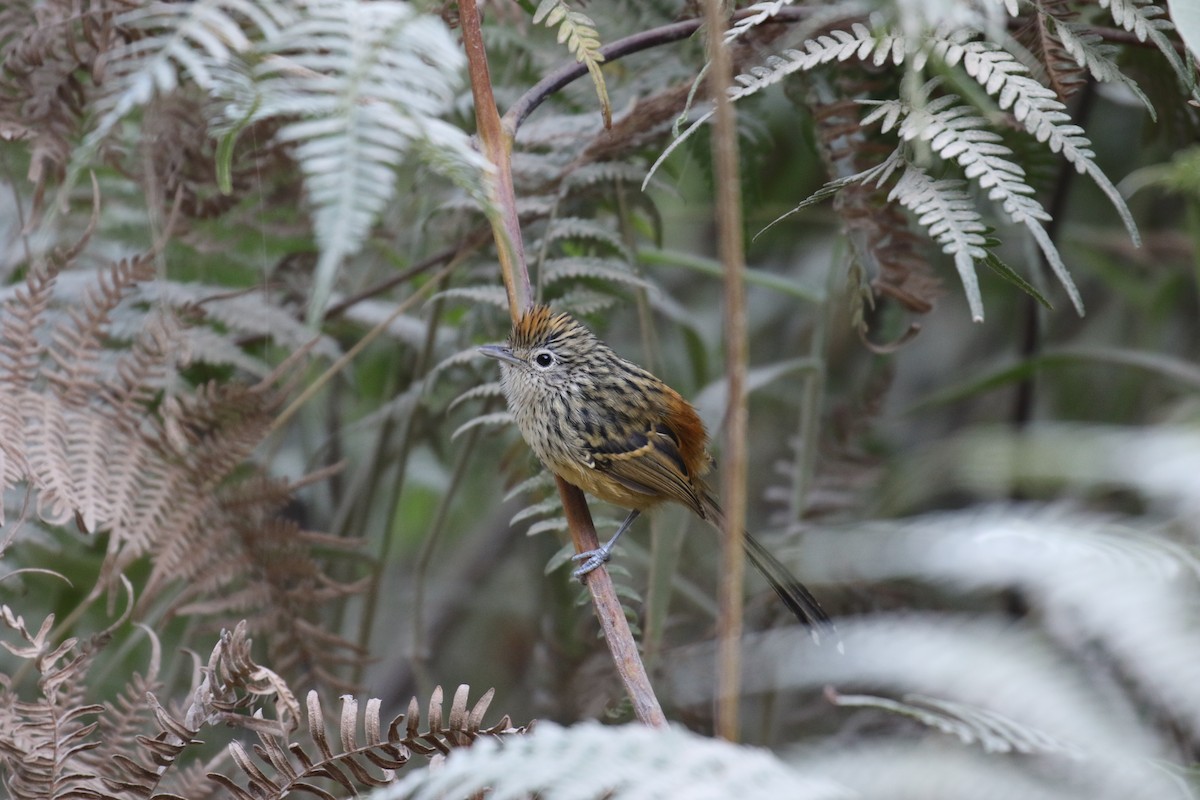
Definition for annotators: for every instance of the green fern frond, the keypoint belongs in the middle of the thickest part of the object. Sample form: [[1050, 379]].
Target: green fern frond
[[482, 391], [549, 506], [463, 358], [584, 302], [580, 228], [493, 420], [493, 295], [582, 40], [556, 524], [605, 269], [542, 481], [603, 172]]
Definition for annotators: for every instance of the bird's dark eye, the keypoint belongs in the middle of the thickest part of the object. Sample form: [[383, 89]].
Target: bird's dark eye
[[544, 359]]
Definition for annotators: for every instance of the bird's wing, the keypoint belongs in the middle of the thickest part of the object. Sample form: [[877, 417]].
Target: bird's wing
[[648, 462]]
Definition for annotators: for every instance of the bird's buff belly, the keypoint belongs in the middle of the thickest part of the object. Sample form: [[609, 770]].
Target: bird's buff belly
[[603, 487]]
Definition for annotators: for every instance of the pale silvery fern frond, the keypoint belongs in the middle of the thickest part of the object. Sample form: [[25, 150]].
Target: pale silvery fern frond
[[836, 45], [1146, 21], [916, 17], [364, 84], [1034, 106], [995, 733], [195, 39], [956, 133], [1091, 52], [628, 761], [1001, 669], [950, 217], [756, 14]]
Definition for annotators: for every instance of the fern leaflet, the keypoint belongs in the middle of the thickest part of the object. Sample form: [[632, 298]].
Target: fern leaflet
[[1143, 19], [583, 41], [946, 211], [1091, 52]]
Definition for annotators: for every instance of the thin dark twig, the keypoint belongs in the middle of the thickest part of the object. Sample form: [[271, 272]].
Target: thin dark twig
[[1031, 336], [646, 40], [673, 32], [471, 242]]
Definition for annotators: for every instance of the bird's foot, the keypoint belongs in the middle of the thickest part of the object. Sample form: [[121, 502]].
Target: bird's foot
[[591, 559]]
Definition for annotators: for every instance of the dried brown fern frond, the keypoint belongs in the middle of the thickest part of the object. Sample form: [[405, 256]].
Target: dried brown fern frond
[[51, 54], [1063, 73], [128, 715], [183, 173], [43, 741], [135, 775], [267, 572], [19, 356], [108, 435], [186, 453], [233, 686], [903, 269], [886, 247], [74, 459], [139, 741], [284, 766]]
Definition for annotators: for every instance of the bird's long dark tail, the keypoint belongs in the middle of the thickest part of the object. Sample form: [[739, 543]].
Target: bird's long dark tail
[[794, 594]]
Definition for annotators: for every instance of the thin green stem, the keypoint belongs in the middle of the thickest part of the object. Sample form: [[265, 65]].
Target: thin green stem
[[813, 389], [497, 146], [420, 653], [371, 596]]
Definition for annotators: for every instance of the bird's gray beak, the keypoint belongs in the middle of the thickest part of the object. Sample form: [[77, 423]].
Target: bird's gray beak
[[500, 353]]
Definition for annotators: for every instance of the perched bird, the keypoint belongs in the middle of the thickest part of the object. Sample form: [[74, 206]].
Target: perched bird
[[617, 432]]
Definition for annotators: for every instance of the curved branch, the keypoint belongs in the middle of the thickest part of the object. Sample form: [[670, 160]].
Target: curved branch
[[612, 51], [665, 34], [617, 635]]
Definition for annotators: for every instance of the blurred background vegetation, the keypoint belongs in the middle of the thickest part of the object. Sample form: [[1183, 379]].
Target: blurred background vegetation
[[246, 260]]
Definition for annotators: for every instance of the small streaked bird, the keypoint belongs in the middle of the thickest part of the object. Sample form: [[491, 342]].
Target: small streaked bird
[[617, 432]]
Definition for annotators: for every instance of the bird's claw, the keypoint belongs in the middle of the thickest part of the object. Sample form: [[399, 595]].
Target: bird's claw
[[591, 559]]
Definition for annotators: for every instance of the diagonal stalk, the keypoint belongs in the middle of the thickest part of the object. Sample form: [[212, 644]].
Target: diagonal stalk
[[496, 144]]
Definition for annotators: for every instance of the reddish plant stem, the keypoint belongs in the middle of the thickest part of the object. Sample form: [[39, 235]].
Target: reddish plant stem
[[497, 144], [608, 610]]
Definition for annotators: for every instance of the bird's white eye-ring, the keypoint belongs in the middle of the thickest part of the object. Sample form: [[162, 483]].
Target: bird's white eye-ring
[[544, 359]]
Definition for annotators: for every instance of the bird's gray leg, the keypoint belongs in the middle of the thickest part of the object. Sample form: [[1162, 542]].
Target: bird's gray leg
[[594, 558]]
